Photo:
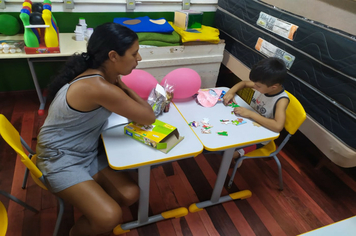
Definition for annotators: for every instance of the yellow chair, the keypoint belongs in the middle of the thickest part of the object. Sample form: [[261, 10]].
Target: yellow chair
[[295, 116], [3, 220], [13, 138]]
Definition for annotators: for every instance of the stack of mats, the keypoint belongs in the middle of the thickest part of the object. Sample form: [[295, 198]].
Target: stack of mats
[[151, 32], [323, 75]]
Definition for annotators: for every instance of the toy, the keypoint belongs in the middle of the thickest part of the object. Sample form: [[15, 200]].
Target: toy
[[11, 46], [36, 19], [41, 31], [141, 82], [9, 25], [37, 7], [232, 104], [222, 133], [186, 82], [238, 121], [50, 37], [30, 38], [194, 124]]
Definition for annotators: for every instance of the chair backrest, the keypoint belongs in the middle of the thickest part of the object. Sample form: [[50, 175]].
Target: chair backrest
[[12, 137], [295, 114], [3, 220]]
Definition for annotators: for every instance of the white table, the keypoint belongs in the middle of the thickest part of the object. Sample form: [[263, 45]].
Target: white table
[[238, 136], [68, 46], [124, 152], [346, 227]]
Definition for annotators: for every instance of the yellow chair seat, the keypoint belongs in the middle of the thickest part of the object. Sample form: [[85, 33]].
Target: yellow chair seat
[[263, 151]]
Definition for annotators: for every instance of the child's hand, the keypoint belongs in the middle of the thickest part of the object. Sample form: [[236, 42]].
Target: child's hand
[[241, 111], [228, 97]]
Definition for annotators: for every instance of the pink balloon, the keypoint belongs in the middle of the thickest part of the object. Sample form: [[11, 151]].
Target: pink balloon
[[141, 82], [186, 82]]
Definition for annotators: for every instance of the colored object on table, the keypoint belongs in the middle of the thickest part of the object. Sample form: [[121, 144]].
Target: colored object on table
[[37, 7], [145, 24], [50, 36], [27, 4], [30, 37], [238, 121], [159, 39], [205, 34], [256, 124], [9, 25], [194, 124], [159, 135], [232, 104], [222, 133], [36, 18], [48, 2], [188, 19], [186, 82], [225, 122], [221, 96], [208, 97], [141, 82], [206, 131]]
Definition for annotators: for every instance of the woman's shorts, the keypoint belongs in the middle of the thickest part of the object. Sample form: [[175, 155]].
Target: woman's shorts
[[70, 169]]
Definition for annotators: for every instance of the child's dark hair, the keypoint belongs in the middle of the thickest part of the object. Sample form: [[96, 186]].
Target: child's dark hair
[[106, 37], [269, 71]]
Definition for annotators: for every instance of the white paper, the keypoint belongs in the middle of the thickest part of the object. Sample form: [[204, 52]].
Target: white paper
[[115, 120]]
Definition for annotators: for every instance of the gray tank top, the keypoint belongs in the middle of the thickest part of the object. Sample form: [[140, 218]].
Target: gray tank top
[[265, 105], [68, 131]]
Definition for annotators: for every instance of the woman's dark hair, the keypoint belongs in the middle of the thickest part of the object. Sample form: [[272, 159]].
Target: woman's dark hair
[[106, 37], [269, 71]]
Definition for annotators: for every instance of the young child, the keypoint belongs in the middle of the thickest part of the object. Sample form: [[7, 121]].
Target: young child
[[269, 100]]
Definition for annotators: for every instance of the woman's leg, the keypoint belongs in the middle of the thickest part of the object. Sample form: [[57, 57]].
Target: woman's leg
[[101, 213], [119, 185]]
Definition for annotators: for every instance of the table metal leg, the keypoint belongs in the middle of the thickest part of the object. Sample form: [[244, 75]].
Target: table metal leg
[[38, 88], [219, 184], [144, 183], [143, 218]]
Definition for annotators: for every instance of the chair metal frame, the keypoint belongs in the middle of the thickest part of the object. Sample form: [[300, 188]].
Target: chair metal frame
[[13, 138], [295, 116]]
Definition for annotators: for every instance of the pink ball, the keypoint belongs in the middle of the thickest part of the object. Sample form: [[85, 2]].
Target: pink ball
[[141, 82], [186, 82]]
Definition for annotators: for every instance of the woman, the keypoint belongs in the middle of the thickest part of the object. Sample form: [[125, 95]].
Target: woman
[[70, 155]]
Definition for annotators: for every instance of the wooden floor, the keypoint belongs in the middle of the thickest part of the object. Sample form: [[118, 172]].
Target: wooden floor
[[314, 195]]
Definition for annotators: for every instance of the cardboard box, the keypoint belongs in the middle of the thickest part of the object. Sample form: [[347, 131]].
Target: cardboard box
[[188, 19], [159, 135]]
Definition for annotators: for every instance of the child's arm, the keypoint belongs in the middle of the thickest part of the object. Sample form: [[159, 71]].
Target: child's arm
[[229, 96], [276, 124]]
